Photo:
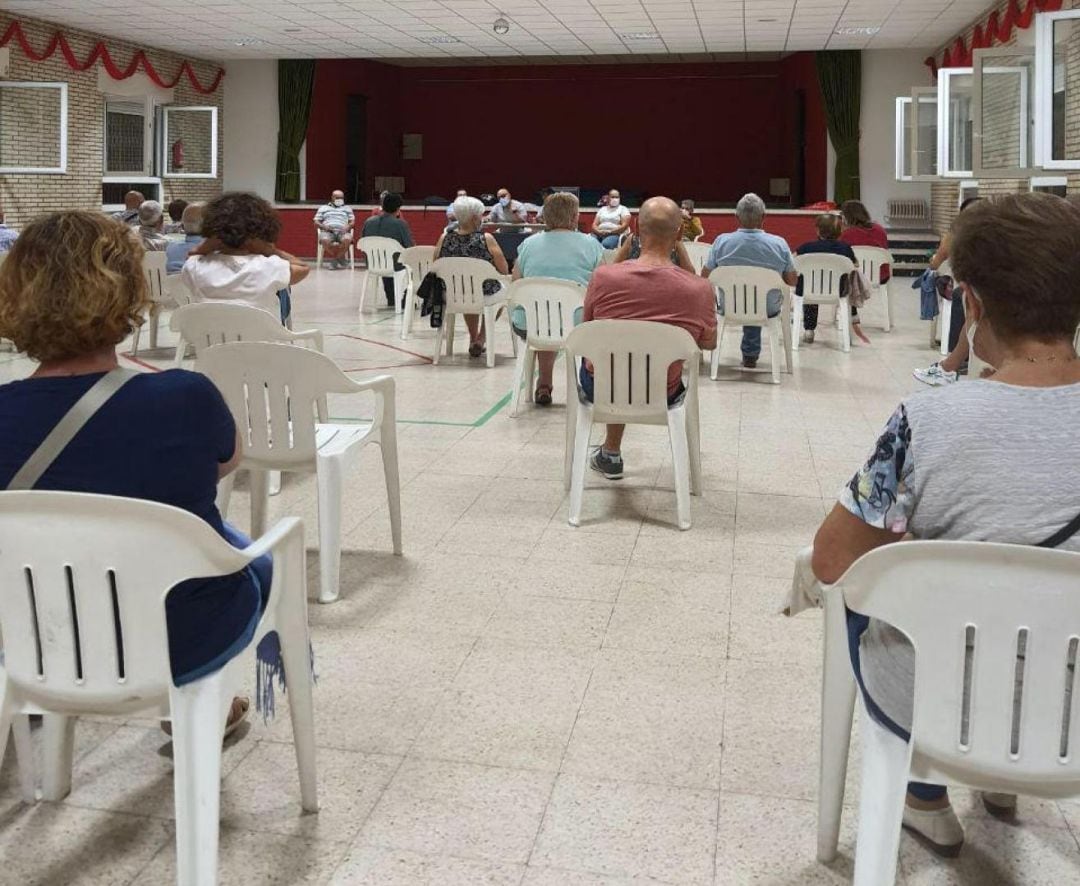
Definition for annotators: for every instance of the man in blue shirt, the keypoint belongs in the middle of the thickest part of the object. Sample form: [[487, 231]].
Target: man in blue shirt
[[751, 246], [176, 253], [7, 236]]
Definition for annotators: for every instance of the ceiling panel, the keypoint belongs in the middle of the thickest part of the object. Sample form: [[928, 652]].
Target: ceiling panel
[[425, 31]]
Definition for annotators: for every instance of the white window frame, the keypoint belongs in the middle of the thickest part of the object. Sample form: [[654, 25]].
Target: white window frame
[[61, 169], [921, 92], [149, 125], [1047, 181], [945, 127], [1044, 89], [1026, 167], [902, 102], [968, 184], [164, 142]]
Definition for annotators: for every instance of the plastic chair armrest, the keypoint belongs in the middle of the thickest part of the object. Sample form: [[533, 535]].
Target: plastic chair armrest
[[384, 388], [275, 537]]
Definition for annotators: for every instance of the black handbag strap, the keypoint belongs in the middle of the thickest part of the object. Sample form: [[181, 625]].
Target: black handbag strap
[[1062, 535]]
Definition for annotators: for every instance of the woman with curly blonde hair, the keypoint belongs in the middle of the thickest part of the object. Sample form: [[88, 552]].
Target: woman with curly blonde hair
[[71, 290]]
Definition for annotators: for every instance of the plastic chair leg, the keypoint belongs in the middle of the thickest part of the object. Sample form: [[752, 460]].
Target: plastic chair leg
[[329, 475], [489, 327], [581, 455], [775, 334], [24, 750], [135, 341], [837, 713], [439, 333], [400, 289], [785, 332], [693, 434], [572, 407], [275, 483], [364, 291], [295, 655], [680, 461], [519, 381], [155, 317], [714, 363], [514, 344], [259, 481], [58, 737], [946, 325], [797, 323], [198, 726], [843, 315], [410, 310], [224, 494], [885, 769], [388, 447], [318, 256], [449, 323], [887, 320]]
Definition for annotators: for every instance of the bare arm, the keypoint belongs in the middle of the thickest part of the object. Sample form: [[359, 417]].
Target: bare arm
[[790, 277], [623, 252], [942, 254], [683, 257], [438, 244], [708, 340], [841, 540], [516, 275], [497, 257]]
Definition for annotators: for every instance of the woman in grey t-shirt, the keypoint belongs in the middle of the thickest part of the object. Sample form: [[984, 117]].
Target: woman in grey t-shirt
[[986, 460]]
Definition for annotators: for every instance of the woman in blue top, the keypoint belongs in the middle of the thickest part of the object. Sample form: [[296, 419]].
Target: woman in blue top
[[71, 290], [563, 252]]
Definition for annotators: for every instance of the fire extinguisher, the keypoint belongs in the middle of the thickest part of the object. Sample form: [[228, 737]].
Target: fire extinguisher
[[178, 154]]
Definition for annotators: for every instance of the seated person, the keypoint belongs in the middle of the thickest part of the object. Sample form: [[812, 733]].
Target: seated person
[[389, 223], [238, 261], [507, 210], [451, 219], [191, 224], [72, 292], [630, 249], [129, 215], [691, 224], [7, 235], [650, 288], [175, 224], [828, 242], [751, 246], [562, 252], [151, 222], [612, 221], [468, 241], [335, 222], [1019, 259]]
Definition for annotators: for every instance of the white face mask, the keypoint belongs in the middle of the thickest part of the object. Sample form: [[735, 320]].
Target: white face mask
[[504, 201], [972, 326], [613, 201], [339, 202]]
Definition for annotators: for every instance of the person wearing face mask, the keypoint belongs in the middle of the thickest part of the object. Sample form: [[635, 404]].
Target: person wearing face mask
[[1016, 262], [507, 211], [691, 224], [335, 221], [611, 221]]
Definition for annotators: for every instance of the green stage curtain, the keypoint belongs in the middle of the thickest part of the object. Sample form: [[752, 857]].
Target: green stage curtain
[[295, 80], [840, 77]]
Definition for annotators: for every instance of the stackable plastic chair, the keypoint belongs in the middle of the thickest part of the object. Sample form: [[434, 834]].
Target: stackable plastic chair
[[995, 629], [870, 259], [549, 306], [380, 252], [205, 324], [319, 252], [630, 360], [153, 265], [698, 252], [418, 260], [277, 392], [464, 280], [822, 276], [745, 295], [83, 582]]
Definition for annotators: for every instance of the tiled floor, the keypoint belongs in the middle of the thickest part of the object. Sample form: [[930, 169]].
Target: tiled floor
[[515, 701]]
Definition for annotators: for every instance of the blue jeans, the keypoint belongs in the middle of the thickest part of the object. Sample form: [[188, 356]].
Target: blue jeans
[[751, 336], [610, 241], [285, 300]]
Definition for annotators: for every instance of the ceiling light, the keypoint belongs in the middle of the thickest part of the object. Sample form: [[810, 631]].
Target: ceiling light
[[869, 32], [640, 35], [501, 26], [443, 38]]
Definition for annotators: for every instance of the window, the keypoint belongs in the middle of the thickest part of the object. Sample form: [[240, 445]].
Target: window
[[33, 127], [1050, 184], [126, 138], [903, 139], [189, 142], [968, 190], [955, 123], [1004, 101], [1057, 99], [924, 137]]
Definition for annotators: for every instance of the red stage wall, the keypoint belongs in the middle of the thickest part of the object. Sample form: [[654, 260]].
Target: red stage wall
[[708, 131]]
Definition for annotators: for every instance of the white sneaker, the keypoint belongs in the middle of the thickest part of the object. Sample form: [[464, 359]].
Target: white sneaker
[[935, 376], [939, 828], [808, 336]]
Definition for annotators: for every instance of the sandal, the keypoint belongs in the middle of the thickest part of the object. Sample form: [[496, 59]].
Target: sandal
[[477, 349], [542, 397], [237, 715]]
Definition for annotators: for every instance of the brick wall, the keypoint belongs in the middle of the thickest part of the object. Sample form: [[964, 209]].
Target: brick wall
[[24, 196]]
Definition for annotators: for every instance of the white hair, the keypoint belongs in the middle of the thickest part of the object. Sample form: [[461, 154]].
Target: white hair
[[468, 207], [750, 210], [149, 212]]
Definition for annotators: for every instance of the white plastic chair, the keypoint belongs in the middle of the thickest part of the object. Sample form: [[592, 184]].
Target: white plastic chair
[[944, 323], [995, 630], [83, 581], [275, 392], [870, 259], [158, 289], [418, 261], [822, 276], [319, 251], [464, 280], [698, 252], [608, 257], [205, 324], [380, 252], [630, 360], [745, 295], [549, 306]]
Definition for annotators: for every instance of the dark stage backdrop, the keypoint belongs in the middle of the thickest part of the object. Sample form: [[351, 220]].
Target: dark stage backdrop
[[708, 131]]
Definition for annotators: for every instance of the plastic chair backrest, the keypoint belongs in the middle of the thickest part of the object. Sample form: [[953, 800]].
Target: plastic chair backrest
[[609, 256], [870, 260], [698, 252], [745, 291], [81, 602], [274, 391], [995, 629], [418, 259], [380, 252], [464, 279], [822, 275], [549, 306], [205, 324], [630, 360], [153, 265]]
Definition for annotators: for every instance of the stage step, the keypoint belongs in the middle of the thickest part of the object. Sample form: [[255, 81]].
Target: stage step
[[912, 250]]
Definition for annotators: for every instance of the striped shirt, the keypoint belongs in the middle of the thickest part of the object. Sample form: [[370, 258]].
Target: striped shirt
[[336, 217]]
